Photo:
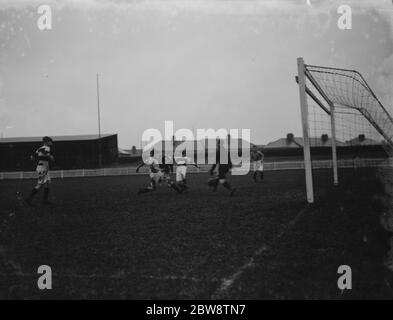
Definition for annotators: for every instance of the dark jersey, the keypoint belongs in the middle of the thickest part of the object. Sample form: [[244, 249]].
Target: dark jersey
[[223, 168], [166, 168]]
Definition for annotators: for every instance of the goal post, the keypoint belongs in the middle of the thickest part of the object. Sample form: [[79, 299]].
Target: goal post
[[305, 127], [340, 113]]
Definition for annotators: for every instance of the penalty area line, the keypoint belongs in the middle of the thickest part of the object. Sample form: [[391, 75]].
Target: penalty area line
[[228, 283]]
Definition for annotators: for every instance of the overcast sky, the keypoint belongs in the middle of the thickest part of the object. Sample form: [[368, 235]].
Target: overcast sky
[[202, 64]]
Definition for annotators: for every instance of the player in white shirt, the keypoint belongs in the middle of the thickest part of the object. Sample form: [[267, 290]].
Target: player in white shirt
[[181, 170], [154, 172], [43, 158]]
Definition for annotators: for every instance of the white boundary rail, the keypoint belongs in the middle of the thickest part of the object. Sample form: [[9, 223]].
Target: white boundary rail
[[130, 171]]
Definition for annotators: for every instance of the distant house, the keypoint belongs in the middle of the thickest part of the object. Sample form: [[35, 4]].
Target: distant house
[[123, 153], [297, 142], [130, 153], [362, 140]]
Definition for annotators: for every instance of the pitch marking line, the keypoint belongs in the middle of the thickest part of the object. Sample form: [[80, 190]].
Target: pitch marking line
[[19, 273], [228, 283]]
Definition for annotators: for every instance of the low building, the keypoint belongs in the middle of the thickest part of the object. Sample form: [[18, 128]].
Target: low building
[[70, 152]]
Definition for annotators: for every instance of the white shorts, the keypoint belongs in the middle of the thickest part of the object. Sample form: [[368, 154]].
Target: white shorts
[[43, 175], [258, 165], [181, 172]]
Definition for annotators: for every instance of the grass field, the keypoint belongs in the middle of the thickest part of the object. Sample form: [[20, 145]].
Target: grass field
[[103, 241]]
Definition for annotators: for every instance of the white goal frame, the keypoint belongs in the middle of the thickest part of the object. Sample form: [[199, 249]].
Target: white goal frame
[[369, 107], [303, 91]]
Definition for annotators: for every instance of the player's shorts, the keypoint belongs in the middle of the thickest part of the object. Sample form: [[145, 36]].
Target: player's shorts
[[181, 172], [258, 165], [43, 175]]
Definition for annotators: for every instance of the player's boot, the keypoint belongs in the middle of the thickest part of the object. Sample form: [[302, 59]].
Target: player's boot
[[255, 176], [261, 175]]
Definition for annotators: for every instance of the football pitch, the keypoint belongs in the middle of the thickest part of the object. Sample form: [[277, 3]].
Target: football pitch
[[101, 240]]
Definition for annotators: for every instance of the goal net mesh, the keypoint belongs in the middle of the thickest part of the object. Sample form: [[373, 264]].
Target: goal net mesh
[[360, 118]]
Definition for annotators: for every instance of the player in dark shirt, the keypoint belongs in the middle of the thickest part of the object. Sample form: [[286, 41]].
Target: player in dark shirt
[[223, 168], [164, 167]]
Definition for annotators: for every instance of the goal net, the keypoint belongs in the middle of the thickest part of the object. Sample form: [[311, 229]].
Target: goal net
[[343, 121]]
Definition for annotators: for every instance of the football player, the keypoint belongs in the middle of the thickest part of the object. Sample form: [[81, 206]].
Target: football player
[[223, 169], [181, 170], [257, 158], [154, 172], [43, 157], [166, 170]]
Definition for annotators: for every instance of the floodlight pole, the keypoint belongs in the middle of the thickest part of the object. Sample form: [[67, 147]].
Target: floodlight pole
[[99, 123], [305, 127]]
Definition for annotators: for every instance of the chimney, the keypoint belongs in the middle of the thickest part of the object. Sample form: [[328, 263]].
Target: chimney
[[324, 138], [362, 137], [290, 138]]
